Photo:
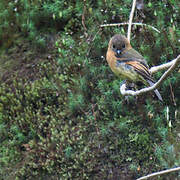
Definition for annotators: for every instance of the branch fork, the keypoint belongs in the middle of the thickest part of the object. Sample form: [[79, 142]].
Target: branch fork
[[171, 65]]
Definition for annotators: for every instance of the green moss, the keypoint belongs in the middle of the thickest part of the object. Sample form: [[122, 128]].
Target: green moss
[[61, 113]]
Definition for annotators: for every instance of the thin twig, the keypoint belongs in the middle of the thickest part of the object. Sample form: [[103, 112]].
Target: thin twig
[[130, 20], [155, 86], [126, 23], [92, 41], [176, 114], [172, 94], [94, 114], [167, 113], [159, 173], [83, 18]]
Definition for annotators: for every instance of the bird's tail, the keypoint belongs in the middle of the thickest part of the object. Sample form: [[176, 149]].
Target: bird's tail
[[156, 91]]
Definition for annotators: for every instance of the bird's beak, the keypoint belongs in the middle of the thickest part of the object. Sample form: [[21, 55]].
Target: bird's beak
[[118, 52]]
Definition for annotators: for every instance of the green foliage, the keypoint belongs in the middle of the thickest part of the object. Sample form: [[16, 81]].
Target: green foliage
[[30, 18], [70, 121]]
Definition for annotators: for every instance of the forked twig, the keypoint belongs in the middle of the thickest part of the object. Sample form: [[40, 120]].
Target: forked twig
[[126, 23], [156, 85]]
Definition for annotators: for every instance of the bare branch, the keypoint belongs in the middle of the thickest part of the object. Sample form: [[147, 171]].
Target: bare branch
[[159, 173], [162, 66], [126, 23], [155, 86], [130, 20]]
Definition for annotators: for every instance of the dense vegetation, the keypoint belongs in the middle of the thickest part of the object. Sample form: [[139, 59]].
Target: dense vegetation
[[61, 113]]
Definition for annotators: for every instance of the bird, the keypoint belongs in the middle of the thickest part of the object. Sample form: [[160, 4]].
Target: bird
[[127, 63]]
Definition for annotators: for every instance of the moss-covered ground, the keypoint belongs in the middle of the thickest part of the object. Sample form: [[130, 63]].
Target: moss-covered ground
[[61, 113]]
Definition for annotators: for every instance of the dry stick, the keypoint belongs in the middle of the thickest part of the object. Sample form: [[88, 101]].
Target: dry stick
[[162, 66], [172, 94], [126, 23], [155, 86], [83, 18], [130, 20], [159, 173]]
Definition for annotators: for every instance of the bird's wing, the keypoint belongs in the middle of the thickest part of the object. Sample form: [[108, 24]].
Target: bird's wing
[[139, 66], [132, 53]]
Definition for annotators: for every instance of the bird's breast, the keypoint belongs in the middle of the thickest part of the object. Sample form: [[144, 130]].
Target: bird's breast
[[111, 59], [120, 68], [125, 71]]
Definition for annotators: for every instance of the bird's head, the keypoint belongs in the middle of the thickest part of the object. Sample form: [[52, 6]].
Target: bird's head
[[119, 44]]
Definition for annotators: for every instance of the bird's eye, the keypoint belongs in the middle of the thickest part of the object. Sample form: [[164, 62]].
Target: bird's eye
[[123, 46], [114, 46]]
